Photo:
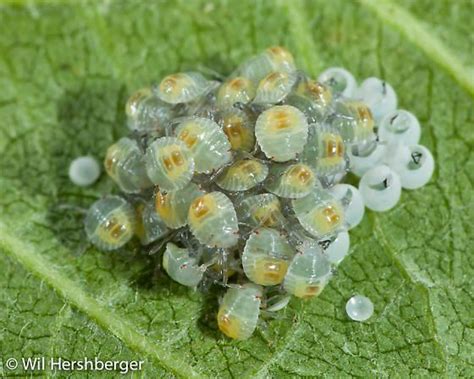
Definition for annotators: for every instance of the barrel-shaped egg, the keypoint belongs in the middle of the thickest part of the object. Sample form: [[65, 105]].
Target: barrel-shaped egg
[[169, 163], [261, 210], [274, 87], [183, 87], [125, 164], [181, 266], [110, 223], [172, 207], [325, 150], [281, 132], [341, 81], [354, 121], [236, 90], [243, 175], [238, 312], [275, 58], [308, 273], [208, 144], [238, 128], [150, 227], [213, 221], [319, 213], [266, 257], [291, 180]]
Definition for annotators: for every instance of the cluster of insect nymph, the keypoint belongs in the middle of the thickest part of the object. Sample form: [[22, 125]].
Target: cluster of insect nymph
[[237, 181]]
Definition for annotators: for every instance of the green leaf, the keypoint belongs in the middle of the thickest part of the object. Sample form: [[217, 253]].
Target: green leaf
[[65, 72]]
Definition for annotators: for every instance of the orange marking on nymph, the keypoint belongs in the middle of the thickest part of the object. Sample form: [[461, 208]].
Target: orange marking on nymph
[[199, 208]]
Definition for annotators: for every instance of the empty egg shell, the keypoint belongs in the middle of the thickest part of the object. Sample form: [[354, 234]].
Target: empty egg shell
[[341, 81]]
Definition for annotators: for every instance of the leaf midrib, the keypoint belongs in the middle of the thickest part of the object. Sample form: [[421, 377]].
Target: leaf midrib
[[73, 293], [414, 31]]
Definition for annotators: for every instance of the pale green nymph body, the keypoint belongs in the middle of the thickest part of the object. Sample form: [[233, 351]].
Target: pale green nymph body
[[308, 273], [183, 87], [213, 221], [235, 90], [238, 313], [169, 163], [172, 207], [272, 59], [146, 112], [315, 91], [312, 98], [125, 164], [243, 175], [275, 87], [181, 266], [354, 121], [319, 213], [266, 257], [291, 181], [135, 99], [281, 132], [150, 227], [110, 223], [239, 129], [261, 210], [325, 150], [208, 144]]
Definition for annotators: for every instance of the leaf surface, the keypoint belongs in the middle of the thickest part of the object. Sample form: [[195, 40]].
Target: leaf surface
[[65, 73]]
